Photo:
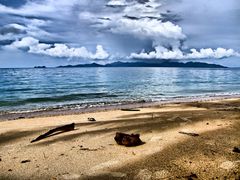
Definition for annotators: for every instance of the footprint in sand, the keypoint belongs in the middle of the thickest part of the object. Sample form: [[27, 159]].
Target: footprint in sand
[[71, 176], [146, 174], [163, 174], [156, 138], [104, 165], [143, 174], [227, 165], [117, 174]]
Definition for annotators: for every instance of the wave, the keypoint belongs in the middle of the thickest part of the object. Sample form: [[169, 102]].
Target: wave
[[64, 98]]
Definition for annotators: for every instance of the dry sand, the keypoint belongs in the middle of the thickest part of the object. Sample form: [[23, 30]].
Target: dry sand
[[90, 152]]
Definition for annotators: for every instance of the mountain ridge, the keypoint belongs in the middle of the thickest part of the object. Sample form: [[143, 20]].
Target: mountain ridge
[[148, 64]]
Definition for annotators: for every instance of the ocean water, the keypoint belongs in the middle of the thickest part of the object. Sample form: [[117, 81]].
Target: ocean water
[[34, 89]]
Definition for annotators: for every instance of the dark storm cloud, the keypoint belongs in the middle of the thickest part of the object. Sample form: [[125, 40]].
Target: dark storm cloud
[[13, 3]]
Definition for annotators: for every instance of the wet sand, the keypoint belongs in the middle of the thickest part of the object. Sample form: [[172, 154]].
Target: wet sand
[[90, 152]]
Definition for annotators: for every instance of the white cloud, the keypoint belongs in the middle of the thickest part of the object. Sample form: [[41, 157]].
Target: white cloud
[[116, 3], [24, 43], [141, 20], [148, 28], [163, 53], [57, 50], [211, 53]]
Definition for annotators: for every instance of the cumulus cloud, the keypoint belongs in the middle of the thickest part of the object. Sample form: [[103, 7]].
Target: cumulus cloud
[[163, 53], [57, 50], [116, 3], [148, 28], [141, 19]]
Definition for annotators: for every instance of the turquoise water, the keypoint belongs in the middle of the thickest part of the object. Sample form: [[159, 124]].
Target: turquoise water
[[32, 89]]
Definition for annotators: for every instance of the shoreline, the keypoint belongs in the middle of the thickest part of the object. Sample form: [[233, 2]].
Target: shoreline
[[6, 116]]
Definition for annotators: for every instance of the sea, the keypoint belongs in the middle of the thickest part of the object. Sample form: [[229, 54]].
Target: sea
[[39, 89]]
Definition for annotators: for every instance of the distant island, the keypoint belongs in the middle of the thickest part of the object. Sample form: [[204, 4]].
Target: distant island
[[150, 64], [39, 67]]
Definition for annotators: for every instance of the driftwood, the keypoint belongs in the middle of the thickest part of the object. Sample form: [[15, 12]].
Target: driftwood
[[189, 133], [65, 128], [25, 161], [127, 139], [130, 109]]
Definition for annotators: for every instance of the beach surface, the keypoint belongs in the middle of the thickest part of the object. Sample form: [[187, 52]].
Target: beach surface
[[90, 151]]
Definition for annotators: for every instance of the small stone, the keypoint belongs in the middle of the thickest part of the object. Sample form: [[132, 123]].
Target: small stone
[[236, 149], [207, 123], [192, 176], [10, 170], [91, 119]]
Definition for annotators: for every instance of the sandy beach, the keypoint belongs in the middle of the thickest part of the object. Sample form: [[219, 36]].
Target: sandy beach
[[90, 151]]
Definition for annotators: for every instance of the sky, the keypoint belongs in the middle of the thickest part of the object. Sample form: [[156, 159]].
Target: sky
[[52, 33]]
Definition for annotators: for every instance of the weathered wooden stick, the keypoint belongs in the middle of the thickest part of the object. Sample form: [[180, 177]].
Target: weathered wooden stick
[[130, 109], [65, 128], [188, 133]]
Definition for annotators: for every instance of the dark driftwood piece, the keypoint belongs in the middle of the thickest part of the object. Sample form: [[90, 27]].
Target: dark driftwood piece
[[127, 139], [65, 128], [25, 161], [189, 133], [130, 109]]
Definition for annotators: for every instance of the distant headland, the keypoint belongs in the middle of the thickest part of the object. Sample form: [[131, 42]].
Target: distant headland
[[149, 64], [39, 67]]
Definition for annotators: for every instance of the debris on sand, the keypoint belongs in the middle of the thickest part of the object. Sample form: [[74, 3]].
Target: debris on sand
[[188, 133], [91, 119], [21, 117], [88, 149], [25, 161], [236, 149], [130, 109], [127, 139], [191, 177], [65, 128]]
